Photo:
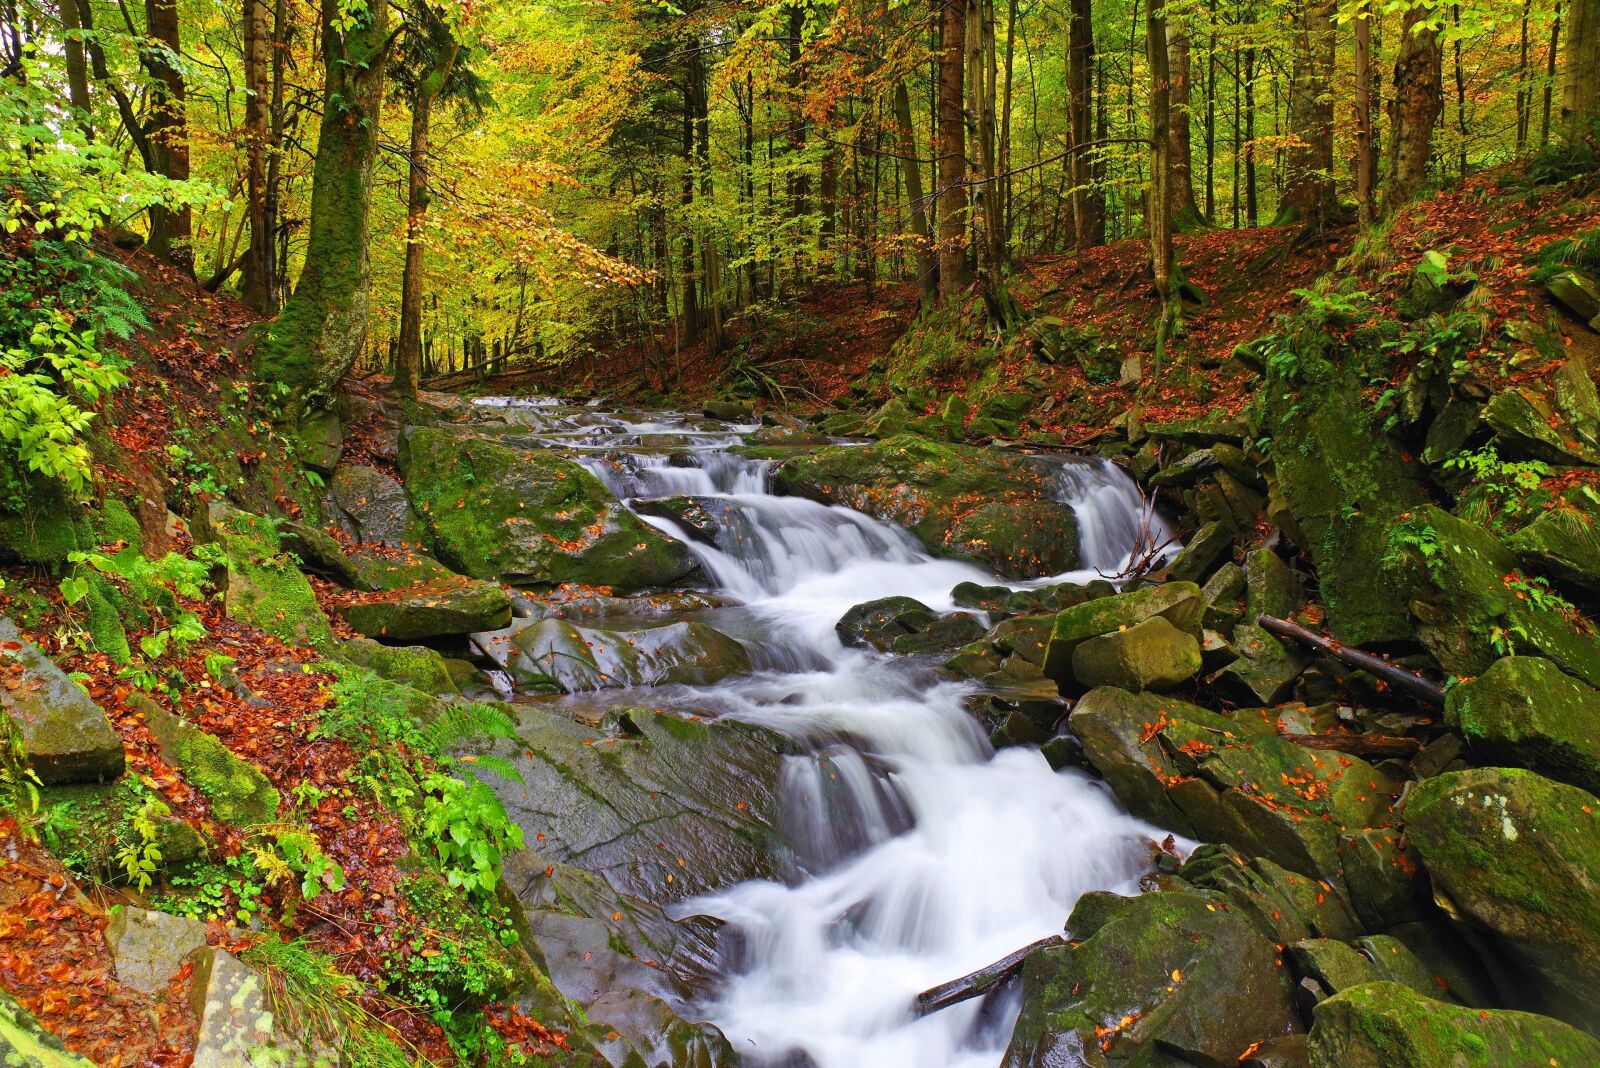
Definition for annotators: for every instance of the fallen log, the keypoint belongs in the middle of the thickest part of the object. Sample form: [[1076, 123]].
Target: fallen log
[[1366, 746], [1396, 676], [981, 981]]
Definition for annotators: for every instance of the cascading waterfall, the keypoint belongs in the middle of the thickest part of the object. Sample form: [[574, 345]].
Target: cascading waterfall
[[920, 854]]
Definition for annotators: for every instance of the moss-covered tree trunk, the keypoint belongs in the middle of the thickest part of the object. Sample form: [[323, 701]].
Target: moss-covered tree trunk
[[319, 334], [1185, 212], [1580, 96], [1159, 201], [170, 228], [408, 351], [952, 150], [1308, 194], [1088, 206], [1418, 100]]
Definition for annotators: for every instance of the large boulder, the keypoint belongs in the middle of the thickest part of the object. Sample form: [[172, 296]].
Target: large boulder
[[371, 508], [1518, 855], [1564, 542], [238, 793], [1153, 655], [987, 505], [907, 626], [265, 588], [529, 516], [1163, 978], [416, 666], [663, 805], [1341, 482], [419, 598], [1230, 779], [1389, 1025], [572, 658], [1471, 602], [1526, 712], [1180, 603], [66, 736], [1525, 426]]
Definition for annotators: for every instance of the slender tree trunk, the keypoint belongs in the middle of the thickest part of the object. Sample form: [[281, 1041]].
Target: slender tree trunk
[[1366, 157], [1524, 98], [1088, 207], [1211, 118], [259, 282], [1418, 93], [1308, 194], [1580, 92], [710, 252], [1005, 123], [77, 63], [323, 326], [408, 352], [952, 150], [1550, 75], [1159, 201], [1185, 214], [171, 229], [927, 260], [1252, 209]]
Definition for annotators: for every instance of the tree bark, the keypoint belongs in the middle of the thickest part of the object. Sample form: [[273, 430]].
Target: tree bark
[[952, 150], [1580, 91], [1418, 102], [77, 63], [259, 282], [171, 229], [408, 351], [1158, 204], [1185, 213], [1366, 157], [927, 261], [320, 333], [1308, 193], [1088, 208]]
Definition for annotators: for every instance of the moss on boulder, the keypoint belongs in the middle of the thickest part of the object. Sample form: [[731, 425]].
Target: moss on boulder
[[1526, 712], [264, 587], [982, 504], [1389, 1025], [416, 666], [1158, 979], [1564, 542], [238, 793], [574, 659], [1180, 603], [1518, 855], [528, 516], [1153, 655], [66, 736]]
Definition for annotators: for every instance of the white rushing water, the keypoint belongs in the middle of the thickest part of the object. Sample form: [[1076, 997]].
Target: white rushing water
[[921, 854]]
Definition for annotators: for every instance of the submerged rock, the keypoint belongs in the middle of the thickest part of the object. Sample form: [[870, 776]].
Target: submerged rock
[[1388, 1025], [1518, 855], [983, 504], [554, 652], [1160, 978], [530, 516]]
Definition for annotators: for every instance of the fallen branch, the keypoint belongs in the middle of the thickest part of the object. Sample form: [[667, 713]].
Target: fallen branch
[[981, 981], [1396, 676], [1366, 746]]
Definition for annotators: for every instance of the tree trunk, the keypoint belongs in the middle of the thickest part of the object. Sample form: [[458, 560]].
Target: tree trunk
[[1550, 75], [1088, 209], [952, 151], [1366, 157], [408, 353], [1185, 213], [927, 260], [710, 253], [259, 283], [1418, 101], [171, 229], [1580, 92], [1159, 201], [316, 339], [77, 64], [1252, 203], [1308, 194]]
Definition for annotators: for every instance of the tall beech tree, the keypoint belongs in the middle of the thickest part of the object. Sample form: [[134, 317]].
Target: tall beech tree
[[319, 334], [1417, 103], [1308, 190]]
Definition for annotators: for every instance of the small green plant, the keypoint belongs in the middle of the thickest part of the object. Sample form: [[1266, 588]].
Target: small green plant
[[140, 858], [1499, 490], [469, 831], [230, 891], [155, 585], [1434, 268], [1535, 590], [1414, 537], [288, 854], [19, 786]]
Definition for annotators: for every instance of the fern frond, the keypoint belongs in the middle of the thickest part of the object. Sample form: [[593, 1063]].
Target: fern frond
[[495, 765], [464, 721]]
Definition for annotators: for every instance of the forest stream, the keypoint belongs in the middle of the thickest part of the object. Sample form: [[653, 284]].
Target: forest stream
[[916, 853]]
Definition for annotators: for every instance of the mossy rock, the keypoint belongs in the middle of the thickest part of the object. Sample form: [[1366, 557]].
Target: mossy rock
[[1163, 978], [982, 504], [1522, 424], [239, 794], [1210, 546], [1526, 712], [1273, 588], [1285, 905], [1180, 603], [1518, 855], [416, 666], [529, 516], [578, 659], [372, 508], [96, 822], [1343, 484], [25, 1044], [1466, 609], [1153, 655], [65, 735], [1564, 542], [420, 599], [1388, 1025], [264, 587]]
